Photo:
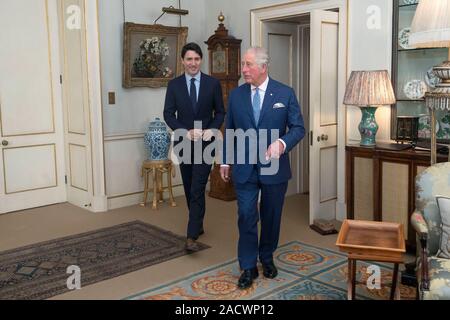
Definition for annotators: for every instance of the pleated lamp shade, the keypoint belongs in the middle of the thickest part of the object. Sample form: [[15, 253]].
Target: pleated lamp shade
[[369, 88], [431, 25]]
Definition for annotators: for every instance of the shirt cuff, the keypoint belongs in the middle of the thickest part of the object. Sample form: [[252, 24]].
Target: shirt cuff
[[224, 165], [284, 144]]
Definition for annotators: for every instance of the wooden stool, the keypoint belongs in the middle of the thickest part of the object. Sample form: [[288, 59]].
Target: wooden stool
[[157, 169]]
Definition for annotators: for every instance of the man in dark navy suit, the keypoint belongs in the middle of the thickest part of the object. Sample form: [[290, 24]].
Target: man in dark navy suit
[[194, 96], [264, 109]]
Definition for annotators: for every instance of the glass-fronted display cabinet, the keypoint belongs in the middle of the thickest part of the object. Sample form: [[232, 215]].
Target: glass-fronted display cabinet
[[412, 76]]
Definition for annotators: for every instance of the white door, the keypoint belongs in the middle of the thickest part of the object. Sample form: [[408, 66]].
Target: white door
[[77, 109], [281, 40], [324, 105], [31, 127]]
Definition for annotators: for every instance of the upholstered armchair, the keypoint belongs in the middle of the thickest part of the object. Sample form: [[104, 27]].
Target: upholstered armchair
[[433, 272]]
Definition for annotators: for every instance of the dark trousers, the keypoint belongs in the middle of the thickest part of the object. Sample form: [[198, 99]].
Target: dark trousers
[[195, 178], [271, 207]]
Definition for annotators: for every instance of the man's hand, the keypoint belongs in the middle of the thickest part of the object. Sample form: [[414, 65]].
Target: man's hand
[[225, 173], [194, 134], [275, 150], [207, 135]]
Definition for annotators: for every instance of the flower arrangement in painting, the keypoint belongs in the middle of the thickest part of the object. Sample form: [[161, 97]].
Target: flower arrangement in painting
[[152, 59]]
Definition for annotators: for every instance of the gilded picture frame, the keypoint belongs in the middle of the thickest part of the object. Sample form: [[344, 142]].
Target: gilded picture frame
[[152, 54]]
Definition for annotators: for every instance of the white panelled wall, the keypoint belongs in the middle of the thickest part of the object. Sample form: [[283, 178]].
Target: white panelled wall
[[369, 44], [126, 121], [116, 131]]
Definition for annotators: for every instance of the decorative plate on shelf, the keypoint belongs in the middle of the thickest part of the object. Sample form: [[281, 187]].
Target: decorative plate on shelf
[[415, 89], [444, 124], [403, 38], [410, 1], [425, 127], [432, 79]]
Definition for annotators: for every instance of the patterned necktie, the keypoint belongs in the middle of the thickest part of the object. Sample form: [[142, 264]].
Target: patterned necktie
[[256, 105], [193, 95]]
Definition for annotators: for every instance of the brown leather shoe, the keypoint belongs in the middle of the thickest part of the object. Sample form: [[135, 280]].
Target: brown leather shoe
[[191, 245]]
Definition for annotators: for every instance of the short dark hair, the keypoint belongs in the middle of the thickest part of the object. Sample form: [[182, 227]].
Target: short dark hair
[[192, 46]]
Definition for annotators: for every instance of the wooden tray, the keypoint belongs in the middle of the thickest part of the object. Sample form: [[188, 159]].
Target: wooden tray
[[372, 240]]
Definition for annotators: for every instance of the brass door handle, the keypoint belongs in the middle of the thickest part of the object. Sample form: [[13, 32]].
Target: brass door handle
[[323, 137], [5, 143]]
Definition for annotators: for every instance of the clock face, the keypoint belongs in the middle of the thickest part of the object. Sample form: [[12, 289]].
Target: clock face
[[219, 61]]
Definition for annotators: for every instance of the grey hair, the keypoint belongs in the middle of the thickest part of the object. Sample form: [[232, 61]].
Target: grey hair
[[261, 56]]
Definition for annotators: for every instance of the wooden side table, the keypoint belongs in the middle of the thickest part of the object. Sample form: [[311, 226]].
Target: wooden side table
[[156, 169], [371, 241]]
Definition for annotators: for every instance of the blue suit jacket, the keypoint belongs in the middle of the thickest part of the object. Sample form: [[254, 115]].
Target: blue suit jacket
[[240, 116], [178, 109]]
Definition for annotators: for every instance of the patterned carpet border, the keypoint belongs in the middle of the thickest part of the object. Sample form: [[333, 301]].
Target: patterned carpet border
[[38, 271], [306, 272], [208, 269]]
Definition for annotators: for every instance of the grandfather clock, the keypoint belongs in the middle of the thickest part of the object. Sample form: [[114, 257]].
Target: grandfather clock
[[225, 65]]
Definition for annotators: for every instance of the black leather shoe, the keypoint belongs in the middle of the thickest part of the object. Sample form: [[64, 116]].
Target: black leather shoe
[[247, 277], [269, 270]]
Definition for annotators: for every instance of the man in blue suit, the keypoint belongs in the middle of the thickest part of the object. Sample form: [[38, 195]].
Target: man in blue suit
[[261, 105], [194, 96]]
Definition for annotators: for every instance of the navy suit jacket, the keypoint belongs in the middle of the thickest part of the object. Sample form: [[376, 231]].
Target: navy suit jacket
[[240, 116], [178, 109]]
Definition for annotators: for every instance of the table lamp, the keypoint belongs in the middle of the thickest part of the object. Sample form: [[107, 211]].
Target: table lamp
[[431, 29], [369, 90]]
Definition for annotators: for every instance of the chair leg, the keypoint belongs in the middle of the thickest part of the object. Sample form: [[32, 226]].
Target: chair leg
[[354, 279], [155, 190], [145, 174], [351, 279], [417, 293], [160, 186], [394, 281], [169, 185]]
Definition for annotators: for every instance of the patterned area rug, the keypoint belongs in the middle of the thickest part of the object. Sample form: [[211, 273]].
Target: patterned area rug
[[305, 273], [39, 271]]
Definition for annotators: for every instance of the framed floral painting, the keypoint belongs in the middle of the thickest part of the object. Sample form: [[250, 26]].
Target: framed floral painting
[[152, 54]]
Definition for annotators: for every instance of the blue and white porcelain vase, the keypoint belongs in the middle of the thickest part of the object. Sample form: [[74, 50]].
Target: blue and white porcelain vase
[[157, 140]]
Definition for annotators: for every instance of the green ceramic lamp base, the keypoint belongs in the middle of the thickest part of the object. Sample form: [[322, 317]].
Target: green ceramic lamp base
[[368, 127]]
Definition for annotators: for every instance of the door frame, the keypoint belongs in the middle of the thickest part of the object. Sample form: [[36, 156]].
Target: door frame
[[295, 185], [260, 15]]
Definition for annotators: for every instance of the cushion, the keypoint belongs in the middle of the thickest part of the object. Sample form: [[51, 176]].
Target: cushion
[[444, 211]]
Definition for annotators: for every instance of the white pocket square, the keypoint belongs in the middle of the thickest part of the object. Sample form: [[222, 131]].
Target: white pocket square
[[278, 105]]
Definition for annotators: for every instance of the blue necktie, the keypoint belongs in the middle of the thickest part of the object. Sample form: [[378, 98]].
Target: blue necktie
[[256, 105], [193, 95]]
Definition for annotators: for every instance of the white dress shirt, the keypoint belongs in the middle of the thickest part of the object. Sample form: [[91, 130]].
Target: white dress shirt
[[197, 78], [262, 93]]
